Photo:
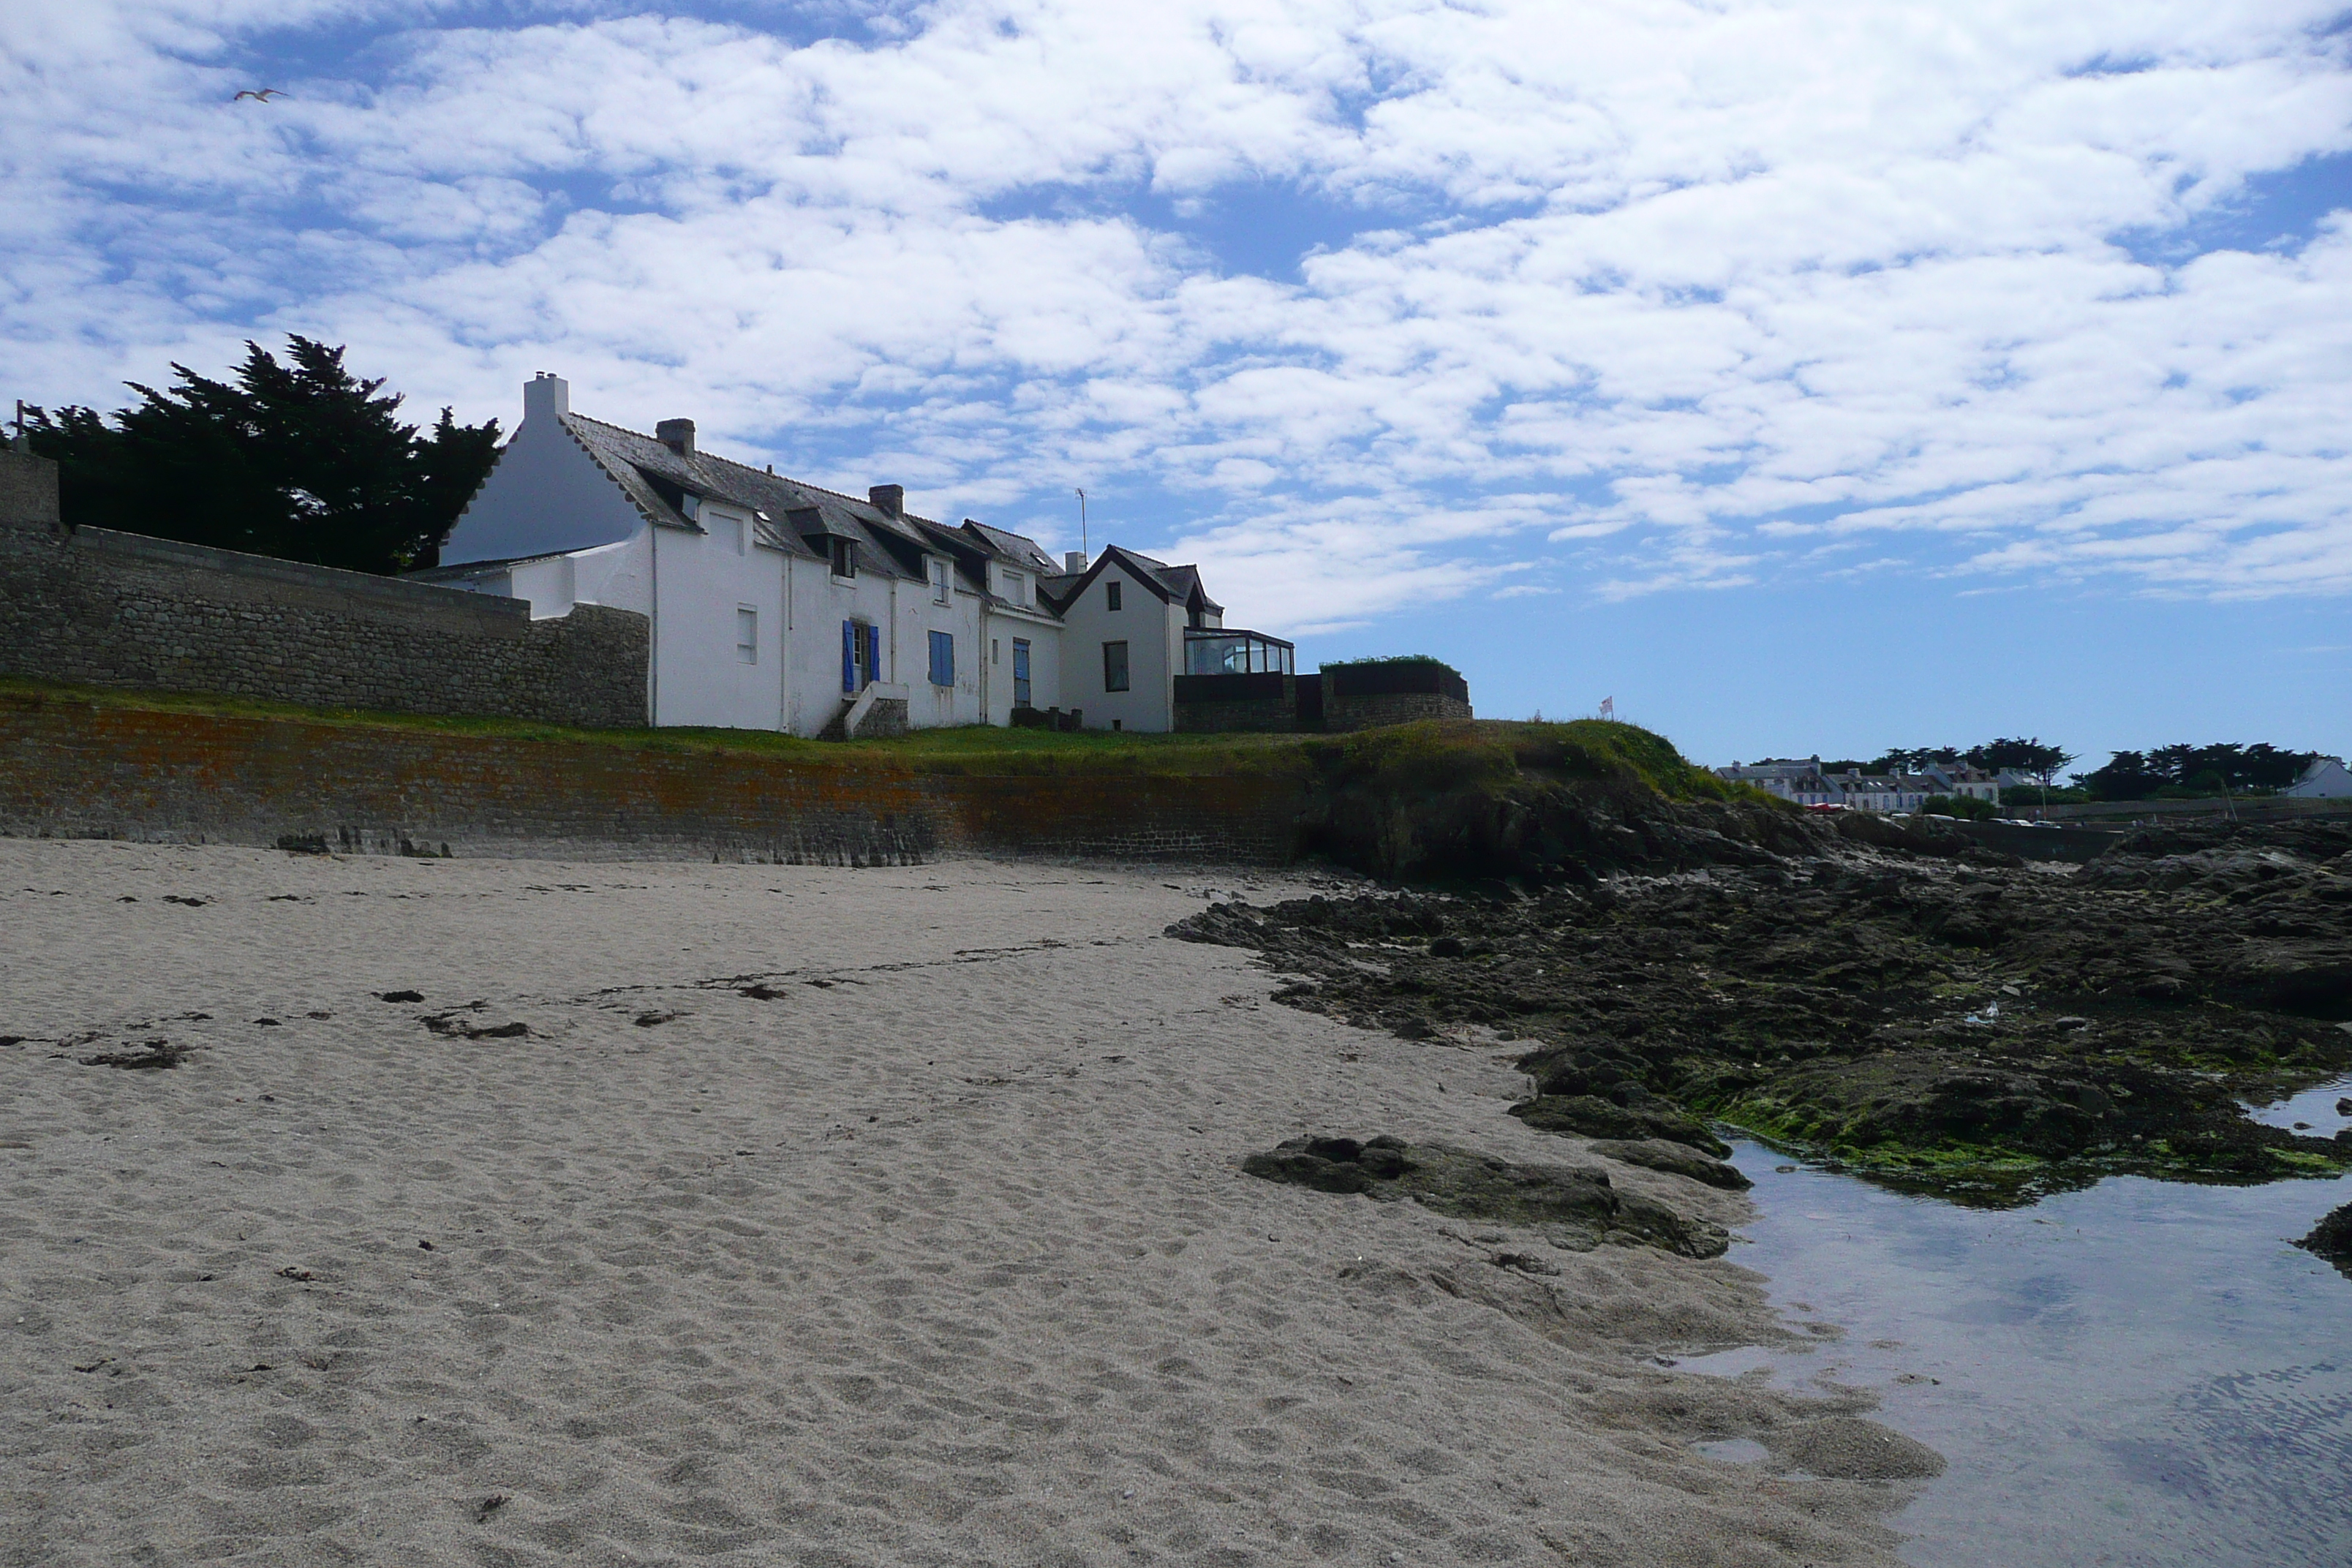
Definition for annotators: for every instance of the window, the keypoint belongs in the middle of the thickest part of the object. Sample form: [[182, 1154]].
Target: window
[[741, 531], [995, 651], [939, 581], [845, 558], [1021, 673], [1110, 602], [1017, 587], [747, 635], [1114, 666], [942, 659]]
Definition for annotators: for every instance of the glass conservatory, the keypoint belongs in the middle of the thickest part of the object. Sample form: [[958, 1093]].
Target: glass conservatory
[[1213, 651]]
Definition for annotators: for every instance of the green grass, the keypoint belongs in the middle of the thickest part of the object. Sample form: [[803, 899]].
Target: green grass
[[1429, 756]]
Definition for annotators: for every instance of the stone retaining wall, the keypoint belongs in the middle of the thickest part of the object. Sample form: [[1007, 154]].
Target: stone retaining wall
[[99, 608], [1389, 708], [77, 768]]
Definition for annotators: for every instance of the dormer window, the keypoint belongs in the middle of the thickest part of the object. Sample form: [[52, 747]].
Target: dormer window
[[939, 581], [1017, 587], [845, 558]]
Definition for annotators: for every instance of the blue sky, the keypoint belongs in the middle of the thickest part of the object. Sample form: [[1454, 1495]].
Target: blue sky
[[1818, 376]]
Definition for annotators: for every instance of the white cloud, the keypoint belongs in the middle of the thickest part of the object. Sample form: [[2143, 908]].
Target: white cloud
[[1666, 293]]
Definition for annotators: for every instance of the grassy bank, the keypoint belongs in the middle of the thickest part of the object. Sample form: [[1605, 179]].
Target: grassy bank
[[1429, 756], [1435, 800]]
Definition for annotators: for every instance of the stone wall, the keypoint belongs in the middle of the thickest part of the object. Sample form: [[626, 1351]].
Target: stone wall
[[1211, 704], [73, 767], [100, 608], [1363, 696], [1389, 708]]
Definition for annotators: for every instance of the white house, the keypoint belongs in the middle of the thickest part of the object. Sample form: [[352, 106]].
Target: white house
[[1805, 783], [2325, 779], [776, 605]]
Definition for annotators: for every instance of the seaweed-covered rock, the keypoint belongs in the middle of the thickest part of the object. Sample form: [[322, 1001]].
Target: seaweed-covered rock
[[1591, 1116], [2332, 1238], [1678, 1159], [1985, 1033], [1574, 1205]]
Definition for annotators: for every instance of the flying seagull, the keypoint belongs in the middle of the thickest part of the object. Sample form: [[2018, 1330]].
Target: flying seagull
[[264, 96]]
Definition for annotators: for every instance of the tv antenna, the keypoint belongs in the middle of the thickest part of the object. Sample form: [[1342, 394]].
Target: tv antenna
[[1082, 525]]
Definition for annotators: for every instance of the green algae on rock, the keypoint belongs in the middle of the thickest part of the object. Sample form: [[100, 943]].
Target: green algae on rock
[[1985, 1033]]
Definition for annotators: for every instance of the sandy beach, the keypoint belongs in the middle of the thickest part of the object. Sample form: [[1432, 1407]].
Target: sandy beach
[[797, 1215]]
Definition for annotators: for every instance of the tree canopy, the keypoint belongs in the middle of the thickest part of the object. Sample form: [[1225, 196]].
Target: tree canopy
[[301, 460], [2028, 756], [2136, 775]]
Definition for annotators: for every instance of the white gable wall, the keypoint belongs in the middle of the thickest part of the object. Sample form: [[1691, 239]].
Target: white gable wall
[[2323, 780], [1044, 638], [544, 495], [1154, 634]]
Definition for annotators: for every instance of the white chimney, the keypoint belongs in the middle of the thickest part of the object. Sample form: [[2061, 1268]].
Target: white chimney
[[545, 397], [1074, 562]]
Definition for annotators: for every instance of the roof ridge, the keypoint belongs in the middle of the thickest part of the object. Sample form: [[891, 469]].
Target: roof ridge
[[755, 473]]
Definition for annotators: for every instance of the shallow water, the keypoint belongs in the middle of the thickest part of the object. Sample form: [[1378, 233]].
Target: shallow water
[[2313, 1109], [2139, 1374]]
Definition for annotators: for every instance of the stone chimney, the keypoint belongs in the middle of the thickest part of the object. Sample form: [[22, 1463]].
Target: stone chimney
[[1075, 563], [28, 489], [891, 498], [677, 435], [545, 397]]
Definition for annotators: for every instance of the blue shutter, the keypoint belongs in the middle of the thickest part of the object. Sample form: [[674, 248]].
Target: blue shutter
[[849, 658], [873, 653]]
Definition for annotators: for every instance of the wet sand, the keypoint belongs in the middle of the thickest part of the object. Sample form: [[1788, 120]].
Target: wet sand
[[812, 1215]]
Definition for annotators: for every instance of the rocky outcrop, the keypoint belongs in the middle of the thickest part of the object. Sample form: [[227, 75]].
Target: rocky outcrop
[[1574, 1206], [1981, 1031], [2332, 1238]]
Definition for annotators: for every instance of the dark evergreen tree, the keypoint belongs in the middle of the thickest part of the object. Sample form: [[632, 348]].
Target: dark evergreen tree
[[301, 460], [2026, 756], [2125, 776], [1911, 758], [2218, 767]]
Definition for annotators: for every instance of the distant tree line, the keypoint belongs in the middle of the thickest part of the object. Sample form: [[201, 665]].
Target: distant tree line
[[2196, 770], [2030, 756], [2125, 776], [301, 460]]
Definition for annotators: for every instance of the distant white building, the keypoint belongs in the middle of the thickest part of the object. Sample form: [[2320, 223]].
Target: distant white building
[[2325, 779], [779, 606], [1805, 783], [1962, 780]]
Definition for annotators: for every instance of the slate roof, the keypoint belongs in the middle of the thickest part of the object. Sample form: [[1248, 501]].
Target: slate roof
[[1018, 548], [1177, 585], [657, 481], [788, 514]]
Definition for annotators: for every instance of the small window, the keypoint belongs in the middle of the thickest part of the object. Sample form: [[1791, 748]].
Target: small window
[[1017, 587], [1110, 602], [1114, 666], [747, 635], [995, 651], [939, 581], [845, 558], [942, 659]]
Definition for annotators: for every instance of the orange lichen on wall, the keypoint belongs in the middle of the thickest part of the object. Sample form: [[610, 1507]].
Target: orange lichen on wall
[[76, 767]]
